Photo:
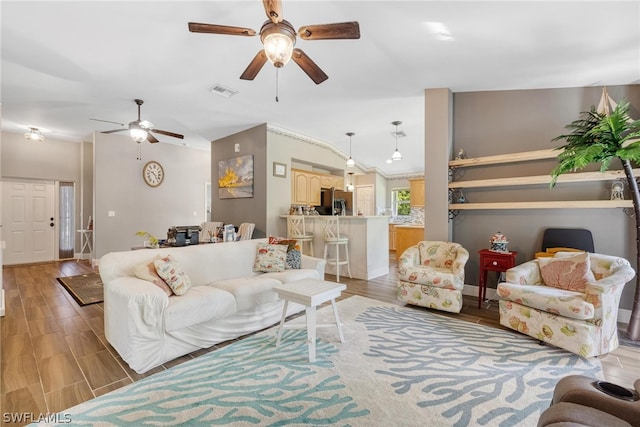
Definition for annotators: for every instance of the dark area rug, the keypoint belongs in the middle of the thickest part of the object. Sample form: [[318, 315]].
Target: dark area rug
[[85, 289]]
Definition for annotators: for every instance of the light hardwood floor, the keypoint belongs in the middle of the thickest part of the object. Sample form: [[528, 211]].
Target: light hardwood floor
[[54, 354]]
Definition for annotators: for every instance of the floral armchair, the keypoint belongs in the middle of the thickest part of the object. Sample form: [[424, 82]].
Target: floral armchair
[[569, 301], [431, 275]]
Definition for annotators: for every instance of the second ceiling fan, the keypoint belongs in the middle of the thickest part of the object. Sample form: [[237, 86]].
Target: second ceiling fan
[[279, 38]]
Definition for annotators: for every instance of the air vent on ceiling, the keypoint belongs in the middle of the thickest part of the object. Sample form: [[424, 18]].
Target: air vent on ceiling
[[223, 91]]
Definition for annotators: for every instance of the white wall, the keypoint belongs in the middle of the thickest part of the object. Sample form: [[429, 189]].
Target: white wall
[[51, 160], [119, 187]]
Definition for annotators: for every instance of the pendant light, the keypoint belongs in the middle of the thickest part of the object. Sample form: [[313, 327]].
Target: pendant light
[[396, 154], [350, 186], [350, 163]]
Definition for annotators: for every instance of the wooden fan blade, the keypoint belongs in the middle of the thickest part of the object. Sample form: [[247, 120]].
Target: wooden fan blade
[[114, 131], [308, 66], [108, 121], [164, 132], [152, 139], [341, 30], [254, 66], [273, 9], [196, 27]]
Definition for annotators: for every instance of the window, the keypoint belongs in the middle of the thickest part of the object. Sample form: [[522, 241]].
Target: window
[[67, 236], [400, 201]]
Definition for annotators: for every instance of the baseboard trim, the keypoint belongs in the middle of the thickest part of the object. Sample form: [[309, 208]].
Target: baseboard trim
[[1, 302], [624, 315]]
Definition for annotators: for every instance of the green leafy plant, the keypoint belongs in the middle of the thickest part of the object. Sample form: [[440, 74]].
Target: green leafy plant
[[153, 241], [604, 138]]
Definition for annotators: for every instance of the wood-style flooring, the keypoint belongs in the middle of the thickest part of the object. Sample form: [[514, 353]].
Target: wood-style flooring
[[54, 354]]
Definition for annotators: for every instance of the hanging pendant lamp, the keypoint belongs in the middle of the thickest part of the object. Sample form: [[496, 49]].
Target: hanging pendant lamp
[[396, 154], [350, 163]]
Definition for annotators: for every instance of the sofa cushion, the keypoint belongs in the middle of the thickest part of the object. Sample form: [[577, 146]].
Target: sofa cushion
[[293, 275], [250, 291], [294, 255], [173, 274], [437, 254], [570, 273], [147, 271], [199, 304], [270, 258], [546, 298], [437, 277]]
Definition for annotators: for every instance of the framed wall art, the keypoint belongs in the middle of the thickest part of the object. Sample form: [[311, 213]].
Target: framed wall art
[[279, 170], [235, 178]]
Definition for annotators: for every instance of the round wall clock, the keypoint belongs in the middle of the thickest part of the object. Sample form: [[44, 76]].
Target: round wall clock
[[153, 174]]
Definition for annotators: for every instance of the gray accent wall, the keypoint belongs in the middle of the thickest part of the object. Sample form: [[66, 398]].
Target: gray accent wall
[[500, 122], [236, 211]]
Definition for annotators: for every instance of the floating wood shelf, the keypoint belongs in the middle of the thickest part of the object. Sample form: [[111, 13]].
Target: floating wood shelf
[[543, 179], [568, 204], [533, 180], [506, 158]]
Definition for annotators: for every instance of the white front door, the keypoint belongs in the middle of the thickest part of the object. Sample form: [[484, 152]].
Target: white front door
[[365, 200], [29, 226]]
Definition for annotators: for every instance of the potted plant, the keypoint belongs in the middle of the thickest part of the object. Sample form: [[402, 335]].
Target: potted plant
[[605, 137], [150, 240]]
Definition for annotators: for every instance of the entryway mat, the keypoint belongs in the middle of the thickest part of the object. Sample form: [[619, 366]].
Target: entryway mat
[[85, 289]]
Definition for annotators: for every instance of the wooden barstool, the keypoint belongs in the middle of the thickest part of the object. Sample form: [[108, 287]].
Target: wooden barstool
[[332, 237], [296, 229]]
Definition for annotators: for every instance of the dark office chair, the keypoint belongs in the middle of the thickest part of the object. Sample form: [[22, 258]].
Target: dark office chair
[[577, 238]]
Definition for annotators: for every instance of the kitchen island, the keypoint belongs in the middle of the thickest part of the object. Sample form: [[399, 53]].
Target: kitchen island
[[368, 244]]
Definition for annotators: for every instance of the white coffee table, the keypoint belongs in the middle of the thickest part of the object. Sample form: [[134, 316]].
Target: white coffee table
[[311, 293]]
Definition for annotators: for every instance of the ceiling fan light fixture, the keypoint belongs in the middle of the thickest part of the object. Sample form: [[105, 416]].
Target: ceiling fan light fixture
[[34, 134], [137, 132], [278, 40]]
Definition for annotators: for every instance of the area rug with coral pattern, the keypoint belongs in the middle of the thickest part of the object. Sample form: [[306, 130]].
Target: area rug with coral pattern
[[398, 366]]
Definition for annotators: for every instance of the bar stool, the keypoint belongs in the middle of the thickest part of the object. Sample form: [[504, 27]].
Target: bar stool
[[297, 229], [332, 237]]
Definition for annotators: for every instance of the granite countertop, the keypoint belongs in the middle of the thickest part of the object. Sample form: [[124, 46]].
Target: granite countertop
[[409, 225]]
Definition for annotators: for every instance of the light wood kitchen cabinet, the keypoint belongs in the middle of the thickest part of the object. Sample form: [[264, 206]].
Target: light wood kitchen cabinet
[[392, 237], [329, 181], [416, 187], [305, 188], [407, 236]]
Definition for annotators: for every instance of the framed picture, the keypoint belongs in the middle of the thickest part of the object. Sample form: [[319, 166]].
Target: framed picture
[[279, 170], [235, 178]]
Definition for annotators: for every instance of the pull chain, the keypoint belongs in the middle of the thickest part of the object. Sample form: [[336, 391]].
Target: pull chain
[[277, 85], [139, 154]]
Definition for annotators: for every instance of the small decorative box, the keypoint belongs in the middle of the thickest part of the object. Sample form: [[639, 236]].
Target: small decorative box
[[499, 242]]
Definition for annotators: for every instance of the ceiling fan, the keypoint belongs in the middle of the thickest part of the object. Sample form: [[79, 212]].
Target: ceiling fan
[[278, 37], [140, 130]]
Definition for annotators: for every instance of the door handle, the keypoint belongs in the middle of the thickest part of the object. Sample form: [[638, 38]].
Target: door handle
[[51, 224]]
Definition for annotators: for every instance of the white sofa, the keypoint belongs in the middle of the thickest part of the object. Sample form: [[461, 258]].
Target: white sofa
[[227, 299]]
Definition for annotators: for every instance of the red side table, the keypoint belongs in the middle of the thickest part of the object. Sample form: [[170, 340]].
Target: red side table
[[492, 261]]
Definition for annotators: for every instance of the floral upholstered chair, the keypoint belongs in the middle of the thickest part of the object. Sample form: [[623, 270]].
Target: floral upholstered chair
[[569, 301], [432, 275]]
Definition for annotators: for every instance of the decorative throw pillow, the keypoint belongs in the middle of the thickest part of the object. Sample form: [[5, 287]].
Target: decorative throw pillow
[[270, 258], [147, 271], [173, 274], [570, 273], [294, 255]]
